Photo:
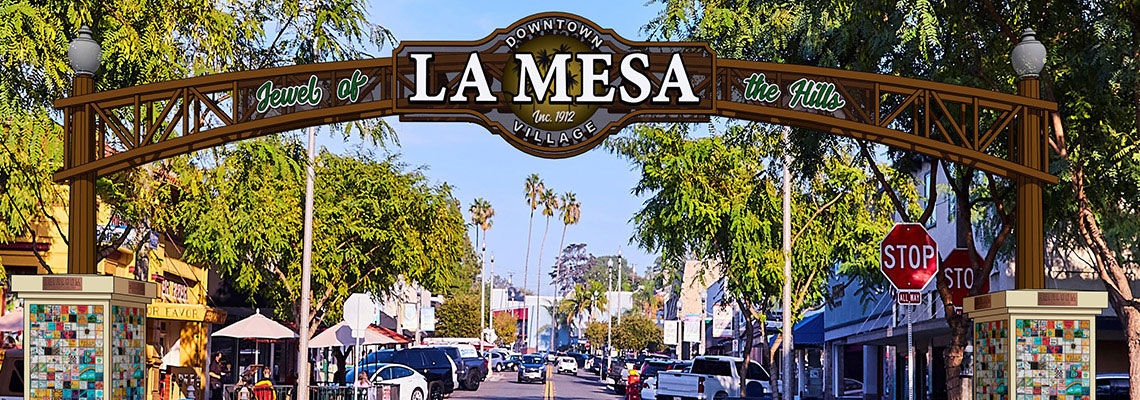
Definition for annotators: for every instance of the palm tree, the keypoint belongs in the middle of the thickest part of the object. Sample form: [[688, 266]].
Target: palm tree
[[559, 315], [534, 188], [481, 214], [549, 202], [571, 212], [596, 299]]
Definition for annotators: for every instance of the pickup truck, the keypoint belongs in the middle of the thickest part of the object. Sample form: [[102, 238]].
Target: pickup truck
[[471, 369], [712, 377]]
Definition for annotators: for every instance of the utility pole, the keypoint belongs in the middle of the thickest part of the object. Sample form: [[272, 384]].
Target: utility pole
[[491, 293], [419, 315], [786, 323]]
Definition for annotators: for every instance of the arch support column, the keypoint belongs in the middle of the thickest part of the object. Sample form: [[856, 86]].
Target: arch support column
[[1029, 270]]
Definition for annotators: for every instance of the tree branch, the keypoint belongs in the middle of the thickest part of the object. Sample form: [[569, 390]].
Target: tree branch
[[1005, 28], [817, 212], [883, 182], [114, 245], [932, 198]]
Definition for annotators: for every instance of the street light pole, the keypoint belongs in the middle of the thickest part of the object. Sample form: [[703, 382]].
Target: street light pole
[[619, 287], [610, 314], [482, 283], [786, 323], [306, 273]]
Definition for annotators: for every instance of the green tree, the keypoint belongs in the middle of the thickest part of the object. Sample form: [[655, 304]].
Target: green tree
[[1092, 72], [506, 328], [374, 223], [596, 333], [713, 197], [458, 317], [636, 332]]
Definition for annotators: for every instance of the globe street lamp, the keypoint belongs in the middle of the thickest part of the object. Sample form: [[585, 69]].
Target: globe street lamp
[[1028, 55], [84, 53]]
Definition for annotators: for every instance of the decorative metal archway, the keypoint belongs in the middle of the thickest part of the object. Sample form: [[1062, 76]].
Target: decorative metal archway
[[479, 82]]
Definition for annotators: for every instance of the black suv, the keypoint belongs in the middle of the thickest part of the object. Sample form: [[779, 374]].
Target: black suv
[[433, 363], [470, 370]]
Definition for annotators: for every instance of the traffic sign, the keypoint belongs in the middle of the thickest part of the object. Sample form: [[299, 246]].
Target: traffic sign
[[960, 278], [359, 312], [909, 260]]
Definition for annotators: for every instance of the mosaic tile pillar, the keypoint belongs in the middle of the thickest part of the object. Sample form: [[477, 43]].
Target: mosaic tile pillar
[[1035, 344], [84, 336]]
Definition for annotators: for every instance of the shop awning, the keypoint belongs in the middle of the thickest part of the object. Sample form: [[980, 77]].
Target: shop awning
[[340, 335], [186, 312], [809, 331]]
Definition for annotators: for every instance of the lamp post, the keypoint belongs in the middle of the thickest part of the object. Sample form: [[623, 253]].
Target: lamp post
[[1028, 58], [84, 54], [610, 314], [482, 283]]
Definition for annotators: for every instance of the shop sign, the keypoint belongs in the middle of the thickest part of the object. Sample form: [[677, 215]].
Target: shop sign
[[175, 291], [185, 312], [722, 321], [63, 283]]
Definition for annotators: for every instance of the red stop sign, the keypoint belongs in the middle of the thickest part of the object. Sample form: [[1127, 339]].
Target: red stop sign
[[960, 276], [909, 259]]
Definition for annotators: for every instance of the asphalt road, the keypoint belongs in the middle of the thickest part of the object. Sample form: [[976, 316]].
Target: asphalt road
[[502, 385]]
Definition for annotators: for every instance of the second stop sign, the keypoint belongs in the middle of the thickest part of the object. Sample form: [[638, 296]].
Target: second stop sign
[[909, 259]]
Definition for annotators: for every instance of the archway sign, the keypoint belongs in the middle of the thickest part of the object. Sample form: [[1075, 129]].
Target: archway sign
[[555, 85]]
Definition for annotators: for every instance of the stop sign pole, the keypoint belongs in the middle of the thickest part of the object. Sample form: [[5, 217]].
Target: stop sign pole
[[909, 260]]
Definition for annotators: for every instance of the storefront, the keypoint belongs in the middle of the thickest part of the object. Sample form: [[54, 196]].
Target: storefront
[[179, 349]]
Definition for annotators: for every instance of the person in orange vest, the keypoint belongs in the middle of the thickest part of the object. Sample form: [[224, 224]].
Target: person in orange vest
[[633, 385]]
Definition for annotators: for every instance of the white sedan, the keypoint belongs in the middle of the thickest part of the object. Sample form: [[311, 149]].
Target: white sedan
[[412, 385], [567, 365]]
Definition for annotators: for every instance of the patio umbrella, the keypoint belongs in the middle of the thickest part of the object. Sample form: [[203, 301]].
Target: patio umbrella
[[12, 321], [340, 335], [258, 328]]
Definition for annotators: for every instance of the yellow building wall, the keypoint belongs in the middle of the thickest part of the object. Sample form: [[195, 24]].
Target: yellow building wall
[[163, 262]]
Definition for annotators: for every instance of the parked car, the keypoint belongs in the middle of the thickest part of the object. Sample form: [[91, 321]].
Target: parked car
[[502, 361], [470, 369], [1112, 387], [711, 377], [532, 368], [433, 363], [412, 385], [567, 365]]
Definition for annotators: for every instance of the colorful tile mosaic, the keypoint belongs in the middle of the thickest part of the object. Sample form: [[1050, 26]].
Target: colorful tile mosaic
[[991, 347], [66, 350], [1053, 358], [128, 377]]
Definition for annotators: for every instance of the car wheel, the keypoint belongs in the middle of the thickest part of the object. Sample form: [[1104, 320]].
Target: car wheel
[[720, 395], [417, 394], [619, 389], [435, 390], [473, 382]]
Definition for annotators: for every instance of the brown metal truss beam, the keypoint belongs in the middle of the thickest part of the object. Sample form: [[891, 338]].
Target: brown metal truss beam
[[885, 109]]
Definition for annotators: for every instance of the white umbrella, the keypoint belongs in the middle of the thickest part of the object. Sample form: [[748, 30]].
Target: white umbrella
[[258, 328], [173, 357], [12, 321], [340, 335]]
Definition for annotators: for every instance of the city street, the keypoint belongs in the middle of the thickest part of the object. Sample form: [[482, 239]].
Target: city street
[[502, 385]]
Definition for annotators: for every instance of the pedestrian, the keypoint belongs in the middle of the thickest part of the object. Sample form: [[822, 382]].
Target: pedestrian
[[217, 374], [263, 389], [363, 387]]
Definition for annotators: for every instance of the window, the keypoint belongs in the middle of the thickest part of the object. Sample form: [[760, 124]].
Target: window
[[385, 374], [756, 372], [400, 372], [712, 367]]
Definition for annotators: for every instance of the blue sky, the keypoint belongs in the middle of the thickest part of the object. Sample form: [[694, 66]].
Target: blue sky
[[479, 164]]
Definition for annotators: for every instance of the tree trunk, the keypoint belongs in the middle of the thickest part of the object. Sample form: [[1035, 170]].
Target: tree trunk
[[526, 273], [341, 356], [957, 387], [1131, 318], [748, 335]]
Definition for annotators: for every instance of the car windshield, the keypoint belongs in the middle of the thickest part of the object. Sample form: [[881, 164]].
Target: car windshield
[[531, 360], [652, 368]]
